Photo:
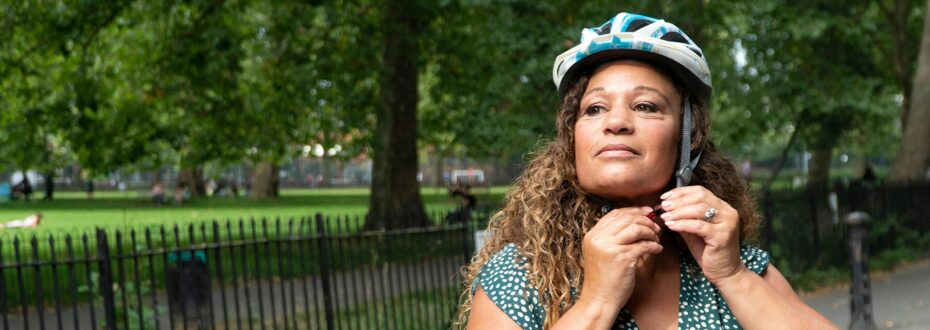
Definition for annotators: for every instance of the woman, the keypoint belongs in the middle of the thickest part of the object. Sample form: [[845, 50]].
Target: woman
[[31, 221], [578, 243]]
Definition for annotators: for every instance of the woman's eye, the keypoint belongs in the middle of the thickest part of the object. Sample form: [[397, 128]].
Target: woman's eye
[[646, 107], [594, 109]]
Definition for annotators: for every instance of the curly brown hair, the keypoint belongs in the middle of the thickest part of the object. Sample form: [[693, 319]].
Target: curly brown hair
[[546, 212]]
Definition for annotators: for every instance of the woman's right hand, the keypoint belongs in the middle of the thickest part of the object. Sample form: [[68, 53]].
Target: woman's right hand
[[610, 253]]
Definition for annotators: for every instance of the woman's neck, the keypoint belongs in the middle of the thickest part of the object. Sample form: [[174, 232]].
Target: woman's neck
[[656, 266], [650, 200]]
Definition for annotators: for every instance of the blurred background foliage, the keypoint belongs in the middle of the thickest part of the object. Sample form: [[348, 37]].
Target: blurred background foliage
[[142, 84]]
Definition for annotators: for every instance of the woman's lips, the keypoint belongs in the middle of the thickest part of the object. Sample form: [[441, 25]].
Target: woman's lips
[[617, 150]]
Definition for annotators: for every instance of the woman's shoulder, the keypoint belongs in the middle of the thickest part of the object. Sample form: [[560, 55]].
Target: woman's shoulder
[[756, 259], [506, 268], [507, 257], [503, 279]]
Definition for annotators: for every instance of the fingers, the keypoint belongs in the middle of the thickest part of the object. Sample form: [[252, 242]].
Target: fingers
[[694, 211], [615, 221], [688, 195], [697, 227], [686, 207], [713, 242], [641, 248], [692, 202], [626, 231], [625, 212], [686, 190], [635, 233]]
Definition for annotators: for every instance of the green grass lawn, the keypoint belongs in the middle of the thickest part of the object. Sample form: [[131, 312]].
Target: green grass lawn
[[74, 212]]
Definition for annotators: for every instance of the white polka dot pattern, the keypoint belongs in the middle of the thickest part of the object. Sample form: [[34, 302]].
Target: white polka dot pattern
[[503, 279], [701, 306]]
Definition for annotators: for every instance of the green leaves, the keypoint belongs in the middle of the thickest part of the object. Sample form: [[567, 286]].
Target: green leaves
[[123, 83]]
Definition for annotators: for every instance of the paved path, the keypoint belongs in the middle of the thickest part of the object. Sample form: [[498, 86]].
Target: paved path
[[901, 299]]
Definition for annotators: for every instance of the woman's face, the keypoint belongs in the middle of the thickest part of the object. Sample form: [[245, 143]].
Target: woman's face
[[626, 135]]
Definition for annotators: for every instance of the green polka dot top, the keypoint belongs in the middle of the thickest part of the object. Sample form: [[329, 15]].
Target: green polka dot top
[[700, 305]]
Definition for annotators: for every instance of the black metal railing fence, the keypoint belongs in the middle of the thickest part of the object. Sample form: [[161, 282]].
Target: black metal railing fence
[[298, 273], [803, 227], [325, 273]]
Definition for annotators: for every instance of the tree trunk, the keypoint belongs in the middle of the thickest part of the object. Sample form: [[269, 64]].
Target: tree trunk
[[902, 50], [818, 173], [264, 181], [191, 178], [395, 200], [859, 161], [49, 185], [911, 162], [784, 157], [438, 167]]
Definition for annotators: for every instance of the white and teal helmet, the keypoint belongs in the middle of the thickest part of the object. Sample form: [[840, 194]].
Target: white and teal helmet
[[632, 36], [654, 41]]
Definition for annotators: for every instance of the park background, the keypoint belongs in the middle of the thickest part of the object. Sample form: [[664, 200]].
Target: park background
[[371, 109]]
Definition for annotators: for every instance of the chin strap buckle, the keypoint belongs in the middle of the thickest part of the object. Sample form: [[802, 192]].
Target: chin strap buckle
[[686, 165], [684, 176]]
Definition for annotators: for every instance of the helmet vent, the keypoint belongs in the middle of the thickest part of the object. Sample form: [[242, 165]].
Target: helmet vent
[[605, 29], [638, 24], [696, 51], [674, 37], [677, 37]]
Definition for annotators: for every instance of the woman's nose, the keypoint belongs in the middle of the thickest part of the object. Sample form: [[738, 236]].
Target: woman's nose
[[618, 121]]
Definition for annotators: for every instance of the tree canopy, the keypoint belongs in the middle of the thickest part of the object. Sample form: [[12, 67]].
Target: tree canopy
[[116, 84]]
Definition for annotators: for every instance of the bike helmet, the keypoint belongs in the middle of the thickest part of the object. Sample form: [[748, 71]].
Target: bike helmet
[[655, 41]]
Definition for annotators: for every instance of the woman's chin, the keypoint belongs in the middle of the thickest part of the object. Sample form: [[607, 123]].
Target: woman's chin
[[625, 191]]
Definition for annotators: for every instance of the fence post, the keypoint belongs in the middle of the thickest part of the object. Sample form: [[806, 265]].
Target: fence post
[[467, 235], [860, 288], [106, 279], [813, 195], [324, 271]]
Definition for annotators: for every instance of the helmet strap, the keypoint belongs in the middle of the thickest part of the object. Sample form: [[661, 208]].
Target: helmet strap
[[686, 165]]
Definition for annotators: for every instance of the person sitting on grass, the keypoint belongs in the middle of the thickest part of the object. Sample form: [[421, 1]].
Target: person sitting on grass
[[467, 203], [179, 191], [158, 193]]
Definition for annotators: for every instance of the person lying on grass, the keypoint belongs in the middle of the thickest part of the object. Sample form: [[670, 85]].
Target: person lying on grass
[[31, 221]]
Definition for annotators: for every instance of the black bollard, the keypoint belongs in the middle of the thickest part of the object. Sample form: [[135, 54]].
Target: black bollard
[[860, 288]]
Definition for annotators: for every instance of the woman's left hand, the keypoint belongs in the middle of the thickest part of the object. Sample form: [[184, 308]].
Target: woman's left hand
[[714, 241]]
